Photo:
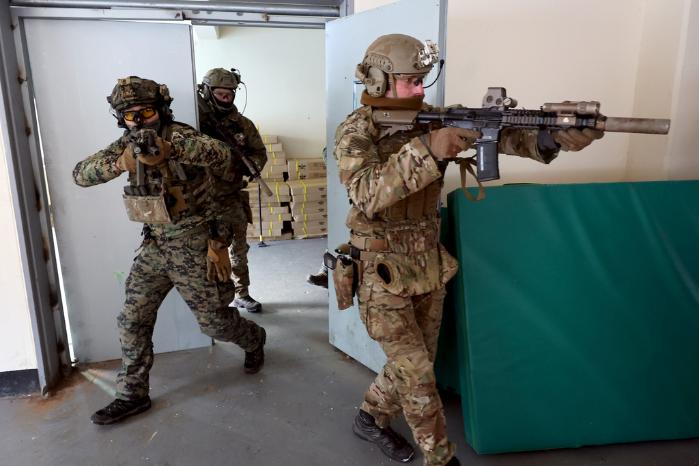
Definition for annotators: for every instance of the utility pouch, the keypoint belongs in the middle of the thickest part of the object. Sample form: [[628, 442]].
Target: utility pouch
[[147, 209], [345, 276]]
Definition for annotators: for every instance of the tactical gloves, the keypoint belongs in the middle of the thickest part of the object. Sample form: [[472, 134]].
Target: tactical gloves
[[218, 263], [573, 139], [127, 161], [162, 155], [446, 143]]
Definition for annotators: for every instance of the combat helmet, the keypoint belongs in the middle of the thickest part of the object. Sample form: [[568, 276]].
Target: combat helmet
[[394, 54], [133, 90], [219, 77]]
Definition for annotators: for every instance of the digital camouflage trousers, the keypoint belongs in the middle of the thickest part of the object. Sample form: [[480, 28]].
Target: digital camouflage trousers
[[159, 266]]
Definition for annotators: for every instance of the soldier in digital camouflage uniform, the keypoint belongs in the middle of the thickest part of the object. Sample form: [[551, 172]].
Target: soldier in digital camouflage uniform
[[218, 113], [185, 241], [394, 183]]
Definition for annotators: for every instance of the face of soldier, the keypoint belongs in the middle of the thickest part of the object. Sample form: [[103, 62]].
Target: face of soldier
[[407, 87], [223, 96], [140, 116]]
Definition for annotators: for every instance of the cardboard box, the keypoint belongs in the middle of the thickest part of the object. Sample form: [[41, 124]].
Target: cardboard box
[[313, 207], [273, 171], [276, 160], [267, 217], [269, 138], [306, 174], [310, 226], [279, 188], [306, 164], [275, 147], [310, 217]]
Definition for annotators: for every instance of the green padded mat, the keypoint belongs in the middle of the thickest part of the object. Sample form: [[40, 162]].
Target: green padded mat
[[576, 312]]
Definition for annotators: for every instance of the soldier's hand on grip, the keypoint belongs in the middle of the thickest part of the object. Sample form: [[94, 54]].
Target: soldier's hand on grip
[[573, 139], [127, 160], [446, 143], [218, 262], [160, 157]]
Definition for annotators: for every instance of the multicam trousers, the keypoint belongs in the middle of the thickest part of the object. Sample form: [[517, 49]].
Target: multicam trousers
[[407, 328], [160, 265]]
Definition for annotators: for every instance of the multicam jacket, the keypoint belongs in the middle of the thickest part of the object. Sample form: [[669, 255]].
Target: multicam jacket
[[394, 187], [195, 152]]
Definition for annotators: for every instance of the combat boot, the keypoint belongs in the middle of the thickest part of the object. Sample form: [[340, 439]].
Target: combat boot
[[247, 303], [391, 443], [119, 410], [254, 360], [319, 279]]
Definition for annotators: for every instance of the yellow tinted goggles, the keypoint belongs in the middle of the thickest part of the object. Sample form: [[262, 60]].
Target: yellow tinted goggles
[[144, 114]]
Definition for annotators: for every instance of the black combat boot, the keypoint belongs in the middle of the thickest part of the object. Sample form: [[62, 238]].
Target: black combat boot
[[320, 278], [247, 303], [389, 441], [119, 410], [454, 461], [254, 360]]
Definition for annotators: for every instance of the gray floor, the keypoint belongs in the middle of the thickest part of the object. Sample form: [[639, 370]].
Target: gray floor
[[297, 411]]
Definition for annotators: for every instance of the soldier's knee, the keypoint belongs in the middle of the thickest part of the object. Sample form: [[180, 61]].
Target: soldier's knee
[[220, 324]]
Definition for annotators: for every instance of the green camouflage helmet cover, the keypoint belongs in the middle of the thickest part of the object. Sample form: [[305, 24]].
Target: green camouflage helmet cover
[[134, 90], [394, 54], [221, 77]]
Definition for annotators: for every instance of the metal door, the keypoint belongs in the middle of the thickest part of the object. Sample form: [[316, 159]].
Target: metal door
[[346, 41], [73, 65]]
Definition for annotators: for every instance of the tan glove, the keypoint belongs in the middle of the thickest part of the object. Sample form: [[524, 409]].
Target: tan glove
[[218, 263], [164, 153], [126, 161], [446, 143], [573, 139]]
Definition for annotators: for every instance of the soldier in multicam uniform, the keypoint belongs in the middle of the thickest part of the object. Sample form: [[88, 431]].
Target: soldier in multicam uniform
[[394, 183], [185, 241], [218, 113]]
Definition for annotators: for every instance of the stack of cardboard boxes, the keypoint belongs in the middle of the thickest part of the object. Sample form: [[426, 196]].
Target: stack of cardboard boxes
[[297, 207], [309, 207], [275, 168], [269, 213]]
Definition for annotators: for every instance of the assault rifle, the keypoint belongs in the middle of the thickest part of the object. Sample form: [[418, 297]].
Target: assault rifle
[[498, 113], [144, 143], [235, 145]]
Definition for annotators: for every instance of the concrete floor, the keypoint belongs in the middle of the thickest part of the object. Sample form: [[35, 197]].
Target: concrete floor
[[297, 411]]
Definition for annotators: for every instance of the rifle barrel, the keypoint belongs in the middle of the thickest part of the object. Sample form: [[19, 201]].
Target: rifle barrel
[[634, 125]]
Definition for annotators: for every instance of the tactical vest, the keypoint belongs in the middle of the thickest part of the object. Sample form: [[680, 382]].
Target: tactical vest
[[169, 192], [417, 206]]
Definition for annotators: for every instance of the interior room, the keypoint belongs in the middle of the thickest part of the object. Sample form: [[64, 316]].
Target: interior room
[[568, 329]]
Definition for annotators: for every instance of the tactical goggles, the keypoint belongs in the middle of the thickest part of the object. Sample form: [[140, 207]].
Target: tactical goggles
[[142, 114], [222, 93]]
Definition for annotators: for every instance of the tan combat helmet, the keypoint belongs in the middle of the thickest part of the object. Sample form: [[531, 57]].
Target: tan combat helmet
[[394, 54], [133, 90], [219, 77]]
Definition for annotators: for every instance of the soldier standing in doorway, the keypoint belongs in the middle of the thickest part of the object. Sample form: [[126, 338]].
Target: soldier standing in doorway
[[220, 119]]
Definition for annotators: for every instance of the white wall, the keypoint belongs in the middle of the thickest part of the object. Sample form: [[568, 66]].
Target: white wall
[[637, 57], [16, 341], [284, 70], [682, 161]]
